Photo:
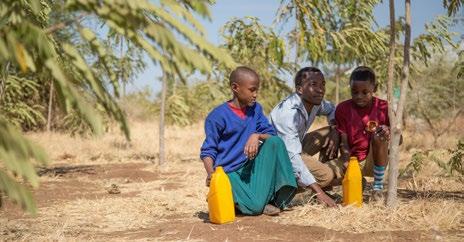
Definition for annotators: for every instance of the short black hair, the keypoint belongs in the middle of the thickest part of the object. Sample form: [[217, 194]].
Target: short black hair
[[239, 72], [303, 75], [363, 73]]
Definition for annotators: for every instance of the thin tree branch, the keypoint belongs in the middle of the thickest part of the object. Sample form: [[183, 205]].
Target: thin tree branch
[[62, 25], [50, 106], [461, 110], [429, 122]]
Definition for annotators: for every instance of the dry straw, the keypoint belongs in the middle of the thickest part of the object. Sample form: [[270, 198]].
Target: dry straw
[[178, 192]]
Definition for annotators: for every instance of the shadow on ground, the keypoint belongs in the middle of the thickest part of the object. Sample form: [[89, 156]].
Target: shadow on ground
[[63, 170], [411, 194]]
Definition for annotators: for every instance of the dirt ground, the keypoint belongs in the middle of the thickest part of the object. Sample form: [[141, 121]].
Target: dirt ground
[[63, 184], [102, 189]]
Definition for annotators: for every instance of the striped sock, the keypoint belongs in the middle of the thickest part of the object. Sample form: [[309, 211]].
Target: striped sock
[[379, 171]]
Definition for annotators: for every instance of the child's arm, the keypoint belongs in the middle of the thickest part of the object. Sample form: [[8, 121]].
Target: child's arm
[[342, 127], [328, 109], [263, 131], [344, 149], [209, 148], [208, 163], [333, 142]]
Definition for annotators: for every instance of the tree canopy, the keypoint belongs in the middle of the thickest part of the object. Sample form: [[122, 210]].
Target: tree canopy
[[31, 48]]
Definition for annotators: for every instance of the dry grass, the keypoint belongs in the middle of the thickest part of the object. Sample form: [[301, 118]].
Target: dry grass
[[181, 144], [431, 209], [421, 214], [156, 203]]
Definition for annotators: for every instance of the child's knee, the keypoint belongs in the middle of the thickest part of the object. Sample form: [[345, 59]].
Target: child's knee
[[274, 141], [326, 177]]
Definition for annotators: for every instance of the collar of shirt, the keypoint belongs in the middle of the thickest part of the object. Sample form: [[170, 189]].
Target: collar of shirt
[[297, 103]]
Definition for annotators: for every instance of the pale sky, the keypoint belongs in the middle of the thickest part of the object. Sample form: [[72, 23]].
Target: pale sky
[[423, 11]]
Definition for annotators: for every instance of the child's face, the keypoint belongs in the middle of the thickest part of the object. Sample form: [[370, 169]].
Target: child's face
[[246, 90], [362, 93], [312, 90]]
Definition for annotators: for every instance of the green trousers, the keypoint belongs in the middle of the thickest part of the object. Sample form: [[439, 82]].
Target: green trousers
[[267, 179]]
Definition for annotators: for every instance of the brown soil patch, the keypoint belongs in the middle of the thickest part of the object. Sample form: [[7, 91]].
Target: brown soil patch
[[63, 184], [76, 182], [128, 171], [263, 228]]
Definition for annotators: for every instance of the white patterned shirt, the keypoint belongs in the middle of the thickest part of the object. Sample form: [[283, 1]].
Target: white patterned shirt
[[291, 121]]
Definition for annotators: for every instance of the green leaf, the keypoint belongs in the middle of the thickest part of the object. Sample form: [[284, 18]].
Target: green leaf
[[17, 192], [96, 46], [179, 10], [73, 99]]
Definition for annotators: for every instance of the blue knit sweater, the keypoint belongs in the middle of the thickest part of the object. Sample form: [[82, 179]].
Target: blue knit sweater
[[227, 134]]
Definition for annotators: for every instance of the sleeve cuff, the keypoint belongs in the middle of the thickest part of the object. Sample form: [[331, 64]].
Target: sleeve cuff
[[202, 156], [305, 178]]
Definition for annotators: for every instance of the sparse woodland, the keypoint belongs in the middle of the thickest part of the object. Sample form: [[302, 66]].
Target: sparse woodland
[[82, 158]]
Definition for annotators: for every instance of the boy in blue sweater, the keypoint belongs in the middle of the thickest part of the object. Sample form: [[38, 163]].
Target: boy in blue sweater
[[241, 140]]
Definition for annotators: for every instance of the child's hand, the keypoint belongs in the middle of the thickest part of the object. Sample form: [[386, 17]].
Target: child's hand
[[383, 132], [332, 143], [208, 180], [208, 163], [321, 196], [324, 199], [251, 147]]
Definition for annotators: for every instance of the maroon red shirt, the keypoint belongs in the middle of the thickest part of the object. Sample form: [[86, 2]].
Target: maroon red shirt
[[352, 121]]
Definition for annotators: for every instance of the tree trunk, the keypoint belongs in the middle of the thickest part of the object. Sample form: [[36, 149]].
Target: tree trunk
[[50, 106], [2, 82], [396, 125], [162, 115], [297, 40], [123, 81], [406, 64], [337, 84], [454, 105], [391, 196], [2, 88]]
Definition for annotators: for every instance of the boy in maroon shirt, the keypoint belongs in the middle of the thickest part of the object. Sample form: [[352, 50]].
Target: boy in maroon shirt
[[364, 127]]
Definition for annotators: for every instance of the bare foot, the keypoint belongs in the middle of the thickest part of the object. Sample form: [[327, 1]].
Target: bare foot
[[271, 210]]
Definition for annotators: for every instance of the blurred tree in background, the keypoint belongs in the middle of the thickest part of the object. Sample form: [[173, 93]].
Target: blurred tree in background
[[436, 97], [337, 33], [254, 45], [249, 43], [36, 56], [343, 34]]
